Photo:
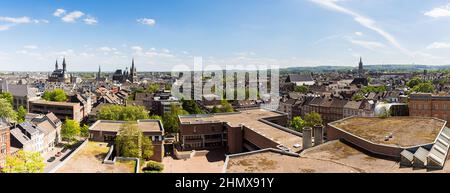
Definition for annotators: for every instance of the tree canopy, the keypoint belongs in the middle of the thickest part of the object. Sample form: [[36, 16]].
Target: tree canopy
[[57, 95], [7, 96], [21, 113], [170, 120], [132, 143], [70, 130], [298, 124], [414, 82], [122, 113], [302, 89], [7, 111], [426, 87], [312, 119], [24, 162], [191, 107]]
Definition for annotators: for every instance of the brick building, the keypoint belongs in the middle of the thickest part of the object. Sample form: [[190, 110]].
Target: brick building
[[4, 143], [429, 105]]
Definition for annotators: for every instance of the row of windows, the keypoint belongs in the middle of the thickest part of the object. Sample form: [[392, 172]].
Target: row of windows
[[427, 107]]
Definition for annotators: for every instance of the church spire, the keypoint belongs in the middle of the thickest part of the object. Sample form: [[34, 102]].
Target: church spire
[[361, 68], [56, 65], [64, 65]]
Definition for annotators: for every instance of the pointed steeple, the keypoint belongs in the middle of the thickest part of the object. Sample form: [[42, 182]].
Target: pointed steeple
[[361, 68], [99, 73], [56, 65], [64, 65]]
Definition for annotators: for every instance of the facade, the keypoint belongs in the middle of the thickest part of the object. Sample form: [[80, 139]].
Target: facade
[[60, 75], [28, 137], [300, 79], [77, 109], [50, 125], [124, 76], [5, 146], [62, 110], [106, 131], [429, 105]]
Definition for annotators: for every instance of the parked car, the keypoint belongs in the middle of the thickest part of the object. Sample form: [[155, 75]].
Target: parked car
[[52, 159]]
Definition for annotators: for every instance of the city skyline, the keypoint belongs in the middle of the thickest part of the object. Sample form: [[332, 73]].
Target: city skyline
[[162, 34]]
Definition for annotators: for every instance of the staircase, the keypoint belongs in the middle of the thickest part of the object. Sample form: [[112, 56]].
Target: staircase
[[433, 159]]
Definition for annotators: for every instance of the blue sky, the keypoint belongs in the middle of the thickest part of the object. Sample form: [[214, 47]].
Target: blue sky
[[161, 34]]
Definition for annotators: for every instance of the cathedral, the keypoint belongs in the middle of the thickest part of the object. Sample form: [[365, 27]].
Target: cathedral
[[124, 76], [60, 75]]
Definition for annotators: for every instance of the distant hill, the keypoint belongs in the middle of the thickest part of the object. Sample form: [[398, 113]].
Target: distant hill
[[376, 67]]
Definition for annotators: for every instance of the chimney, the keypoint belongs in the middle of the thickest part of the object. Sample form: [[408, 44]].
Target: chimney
[[318, 135], [307, 138]]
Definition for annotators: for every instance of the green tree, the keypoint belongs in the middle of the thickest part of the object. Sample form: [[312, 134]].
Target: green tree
[[122, 113], [156, 117], [414, 82], [84, 131], [7, 96], [24, 162], [301, 89], [70, 130], [6, 111], [132, 143], [152, 88], [21, 113], [357, 97], [226, 106], [170, 120], [298, 124], [57, 95], [426, 87], [215, 109], [191, 107], [312, 119]]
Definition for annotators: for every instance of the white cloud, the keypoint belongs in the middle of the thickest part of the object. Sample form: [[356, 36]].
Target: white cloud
[[31, 47], [367, 44], [4, 27], [359, 33], [59, 12], [16, 20], [90, 20], [439, 45], [137, 48], [147, 21], [73, 16], [438, 12], [106, 49], [364, 21]]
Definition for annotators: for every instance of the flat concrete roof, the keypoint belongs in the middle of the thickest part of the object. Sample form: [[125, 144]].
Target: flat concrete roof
[[43, 102], [340, 152], [277, 162], [406, 131], [115, 126], [251, 119]]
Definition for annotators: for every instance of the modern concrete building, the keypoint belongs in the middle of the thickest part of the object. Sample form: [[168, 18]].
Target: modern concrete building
[[247, 130], [62, 110], [428, 139], [106, 131]]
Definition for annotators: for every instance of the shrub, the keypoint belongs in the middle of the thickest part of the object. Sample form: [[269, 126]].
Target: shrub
[[153, 167]]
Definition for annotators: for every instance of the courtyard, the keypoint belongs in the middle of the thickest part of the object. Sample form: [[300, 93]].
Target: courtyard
[[90, 160]]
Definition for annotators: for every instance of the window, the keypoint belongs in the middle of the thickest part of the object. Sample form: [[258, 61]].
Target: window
[[3, 149]]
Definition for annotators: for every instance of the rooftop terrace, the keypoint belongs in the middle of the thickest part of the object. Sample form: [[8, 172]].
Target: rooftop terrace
[[406, 131], [115, 126]]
